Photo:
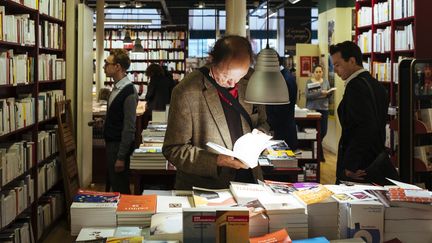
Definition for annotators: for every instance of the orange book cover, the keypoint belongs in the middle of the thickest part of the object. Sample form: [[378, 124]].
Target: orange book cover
[[137, 203], [409, 195], [280, 236]]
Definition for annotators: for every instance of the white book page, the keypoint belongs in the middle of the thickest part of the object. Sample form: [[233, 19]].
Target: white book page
[[220, 149], [247, 148]]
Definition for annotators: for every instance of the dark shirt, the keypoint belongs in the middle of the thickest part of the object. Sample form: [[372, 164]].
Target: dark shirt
[[159, 92], [281, 117], [236, 131]]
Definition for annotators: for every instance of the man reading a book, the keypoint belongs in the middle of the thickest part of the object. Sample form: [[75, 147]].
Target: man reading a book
[[206, 107], [362, 114]]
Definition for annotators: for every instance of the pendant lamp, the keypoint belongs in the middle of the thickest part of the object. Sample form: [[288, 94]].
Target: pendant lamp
[[267, 86], [138, 47], [127, 39]]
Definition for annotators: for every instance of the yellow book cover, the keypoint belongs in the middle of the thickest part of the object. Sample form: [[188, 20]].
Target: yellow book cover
[[313, 194], [127, 239]]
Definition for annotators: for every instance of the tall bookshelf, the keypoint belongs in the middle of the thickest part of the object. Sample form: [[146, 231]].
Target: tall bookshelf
[[389, 31], [166, 46], [32, 78]]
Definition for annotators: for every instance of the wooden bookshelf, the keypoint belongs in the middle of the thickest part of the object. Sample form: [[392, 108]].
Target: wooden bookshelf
[[33, 89]]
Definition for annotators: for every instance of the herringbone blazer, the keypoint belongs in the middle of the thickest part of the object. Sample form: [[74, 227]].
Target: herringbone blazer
[[196, 117]]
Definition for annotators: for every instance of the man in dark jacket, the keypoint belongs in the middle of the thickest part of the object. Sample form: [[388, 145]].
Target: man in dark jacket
[[362, 121], [281, 117], [119, 130]]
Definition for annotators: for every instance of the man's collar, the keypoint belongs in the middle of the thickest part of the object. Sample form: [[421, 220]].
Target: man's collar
[[353, 75], [122, 82]]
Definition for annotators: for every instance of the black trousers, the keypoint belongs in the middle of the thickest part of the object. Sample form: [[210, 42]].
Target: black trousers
[[119, 181]]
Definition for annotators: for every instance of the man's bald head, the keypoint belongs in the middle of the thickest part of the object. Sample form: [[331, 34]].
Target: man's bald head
[[230, 48]]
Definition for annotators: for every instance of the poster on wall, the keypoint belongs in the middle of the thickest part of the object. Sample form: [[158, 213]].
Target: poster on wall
[[305, 66], [330, 68]]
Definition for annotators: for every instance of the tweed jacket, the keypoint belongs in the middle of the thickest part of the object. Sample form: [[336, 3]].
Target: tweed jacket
[[196, 117]]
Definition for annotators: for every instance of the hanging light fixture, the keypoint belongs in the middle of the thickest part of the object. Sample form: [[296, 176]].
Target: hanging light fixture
[[138, 47], [127, 39], [267, 86]]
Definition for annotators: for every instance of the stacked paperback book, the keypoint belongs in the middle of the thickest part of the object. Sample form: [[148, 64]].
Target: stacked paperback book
[[91, 209], [136, 210], [149, 155]]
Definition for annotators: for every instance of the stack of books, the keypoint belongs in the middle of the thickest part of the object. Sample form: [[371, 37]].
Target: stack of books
[[149, 155], [281, 156], [136, 210], [148, 158], [93, 209]]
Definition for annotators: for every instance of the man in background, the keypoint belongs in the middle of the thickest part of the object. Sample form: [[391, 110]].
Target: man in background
[[119, 129], [281, 117], [362, 113]]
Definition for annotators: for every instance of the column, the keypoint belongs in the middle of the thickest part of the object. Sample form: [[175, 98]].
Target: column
[[236, 17], [100, 19]]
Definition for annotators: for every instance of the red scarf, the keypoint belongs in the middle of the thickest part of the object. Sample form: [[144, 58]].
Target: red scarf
[[233, 91]]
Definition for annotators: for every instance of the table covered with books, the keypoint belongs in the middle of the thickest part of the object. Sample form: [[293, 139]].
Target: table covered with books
[[289, 212]]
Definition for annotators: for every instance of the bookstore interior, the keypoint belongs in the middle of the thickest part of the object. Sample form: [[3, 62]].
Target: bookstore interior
[[215, 121]]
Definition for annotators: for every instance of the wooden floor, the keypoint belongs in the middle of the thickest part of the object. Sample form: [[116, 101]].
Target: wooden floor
[[60, 234]]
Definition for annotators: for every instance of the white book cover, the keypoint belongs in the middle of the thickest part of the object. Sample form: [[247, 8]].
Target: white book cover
[[247, 148], [213, 198], [246, 192], [172, 204], [95, 233]]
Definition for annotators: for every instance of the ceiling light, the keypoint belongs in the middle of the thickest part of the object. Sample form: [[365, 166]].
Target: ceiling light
[[294, 1], [201, 4], [246, 26], [122, 4], [105, 5], [138, 4], [138, 47], [267, 85], [127, 39]]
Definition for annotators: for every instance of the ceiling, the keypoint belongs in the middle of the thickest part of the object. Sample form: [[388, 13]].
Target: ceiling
[[176, 11]]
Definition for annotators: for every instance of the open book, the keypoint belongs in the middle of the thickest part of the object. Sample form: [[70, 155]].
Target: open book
[[332, 89], [247, 148]]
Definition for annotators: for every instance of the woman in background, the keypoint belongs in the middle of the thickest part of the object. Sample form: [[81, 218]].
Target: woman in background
[[159, 89], [317, 98]]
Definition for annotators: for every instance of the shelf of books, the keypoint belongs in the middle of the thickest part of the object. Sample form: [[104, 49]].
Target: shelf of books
[[415, 121], [167, 47], [32, 78], [388, 31]]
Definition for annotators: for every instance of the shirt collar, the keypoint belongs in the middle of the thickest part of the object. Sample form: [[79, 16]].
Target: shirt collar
[[355, 74], [122, 82]]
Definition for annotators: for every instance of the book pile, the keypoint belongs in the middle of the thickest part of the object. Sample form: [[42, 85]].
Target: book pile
[[323, 219], [149, 155], [148, 158], [93, 209], [281, 156], [136, 210], [285, 212]]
